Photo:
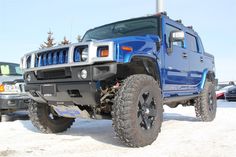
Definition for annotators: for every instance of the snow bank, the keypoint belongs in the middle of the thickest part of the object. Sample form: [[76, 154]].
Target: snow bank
[[182, 136]]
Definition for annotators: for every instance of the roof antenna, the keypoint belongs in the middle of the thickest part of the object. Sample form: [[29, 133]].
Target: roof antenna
[[159, 6]]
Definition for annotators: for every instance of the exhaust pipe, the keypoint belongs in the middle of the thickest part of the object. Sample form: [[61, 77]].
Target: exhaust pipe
[[159, 6]]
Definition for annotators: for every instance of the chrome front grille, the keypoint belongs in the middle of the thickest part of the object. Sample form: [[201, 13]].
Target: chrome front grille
[[52, 57], [79, 54]]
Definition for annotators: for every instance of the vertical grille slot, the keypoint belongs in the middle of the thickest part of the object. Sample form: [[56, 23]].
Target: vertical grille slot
[[54, 57], [28, 62]]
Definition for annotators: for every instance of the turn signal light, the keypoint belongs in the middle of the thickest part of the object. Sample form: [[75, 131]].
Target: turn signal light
[[2, 88], [103, 51], [127, 48]]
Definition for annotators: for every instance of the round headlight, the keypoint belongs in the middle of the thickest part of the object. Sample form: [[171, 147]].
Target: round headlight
[[28, 77], [83, 74], [84, 54]]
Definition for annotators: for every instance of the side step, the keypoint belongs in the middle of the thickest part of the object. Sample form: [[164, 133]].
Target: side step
[[179, 98]]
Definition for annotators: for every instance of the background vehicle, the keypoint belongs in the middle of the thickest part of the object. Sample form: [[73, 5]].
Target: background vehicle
[[12, 93], [220, 94], [220, 86], [230, 93], [124, 71]]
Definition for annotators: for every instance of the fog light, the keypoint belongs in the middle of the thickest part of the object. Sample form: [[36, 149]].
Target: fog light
[[28, 78], [83, 74]]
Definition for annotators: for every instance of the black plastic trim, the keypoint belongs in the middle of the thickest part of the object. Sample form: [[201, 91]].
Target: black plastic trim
[[72, 74], [179, 98], [87, 91]]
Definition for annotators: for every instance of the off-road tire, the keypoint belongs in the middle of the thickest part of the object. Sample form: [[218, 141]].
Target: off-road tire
[[206, 105], [127, 113], [40, 117]]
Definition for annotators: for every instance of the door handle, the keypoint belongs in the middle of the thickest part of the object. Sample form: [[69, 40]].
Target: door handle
[[184, 55], [201, 59]]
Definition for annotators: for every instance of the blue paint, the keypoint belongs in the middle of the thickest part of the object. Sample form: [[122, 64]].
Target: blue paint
[[179, 75], [66, 56], [50, 58], [98, 85], [55, 57], [77, 55], [40, 60], [61, 57], [44, 59]]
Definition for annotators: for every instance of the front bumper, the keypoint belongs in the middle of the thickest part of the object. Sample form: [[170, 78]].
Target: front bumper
[[71, 74], [16, 101], [66, 86], [81, 93], [230, 97]]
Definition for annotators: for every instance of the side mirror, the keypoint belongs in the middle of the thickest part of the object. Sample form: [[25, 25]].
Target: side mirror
[[175, 36]]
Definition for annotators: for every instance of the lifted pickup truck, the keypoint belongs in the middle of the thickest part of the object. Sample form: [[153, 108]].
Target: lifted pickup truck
[[125, 71]]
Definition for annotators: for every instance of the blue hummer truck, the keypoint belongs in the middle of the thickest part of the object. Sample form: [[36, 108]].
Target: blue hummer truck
[[125, 71]]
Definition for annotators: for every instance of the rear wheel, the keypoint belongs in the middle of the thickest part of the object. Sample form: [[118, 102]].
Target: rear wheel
[[45, 119], [138, 111], [206, 106]]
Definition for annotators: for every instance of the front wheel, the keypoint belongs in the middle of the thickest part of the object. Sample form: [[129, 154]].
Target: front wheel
[[45, 119], [138, 111], [206, 106]]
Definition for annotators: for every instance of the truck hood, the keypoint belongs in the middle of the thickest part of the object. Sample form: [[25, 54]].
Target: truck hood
[[149, 38], [9, 78]]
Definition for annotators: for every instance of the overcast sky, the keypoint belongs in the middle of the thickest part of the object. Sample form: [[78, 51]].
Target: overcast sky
[[24, 23]]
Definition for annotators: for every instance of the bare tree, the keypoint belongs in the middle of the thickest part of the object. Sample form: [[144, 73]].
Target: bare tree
[[49, 42]]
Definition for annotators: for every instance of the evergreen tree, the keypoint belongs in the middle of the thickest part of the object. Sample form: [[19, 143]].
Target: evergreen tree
[[65, 41], [49, 42]]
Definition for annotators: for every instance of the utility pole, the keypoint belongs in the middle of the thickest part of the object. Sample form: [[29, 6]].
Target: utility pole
[[159, 6]]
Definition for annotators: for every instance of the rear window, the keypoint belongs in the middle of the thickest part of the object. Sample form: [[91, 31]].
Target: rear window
[[232, 90], [10, 69]]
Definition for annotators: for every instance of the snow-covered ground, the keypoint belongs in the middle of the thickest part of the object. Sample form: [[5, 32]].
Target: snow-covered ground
[[182, 136]]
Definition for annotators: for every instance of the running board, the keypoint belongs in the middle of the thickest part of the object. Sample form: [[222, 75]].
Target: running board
[[179, 98]]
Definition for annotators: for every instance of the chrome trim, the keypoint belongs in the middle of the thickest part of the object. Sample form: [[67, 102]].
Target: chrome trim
[[92, 55], [111, 56], [32, 62], [24, 65], [13, 97]]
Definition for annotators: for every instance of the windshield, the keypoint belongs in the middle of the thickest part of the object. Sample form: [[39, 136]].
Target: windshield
[[10, 69], [137, 27]]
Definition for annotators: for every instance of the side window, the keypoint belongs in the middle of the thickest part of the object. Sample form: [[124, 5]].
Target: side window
[[233, 91], [200, 45], [191, 42], [169, 29]]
